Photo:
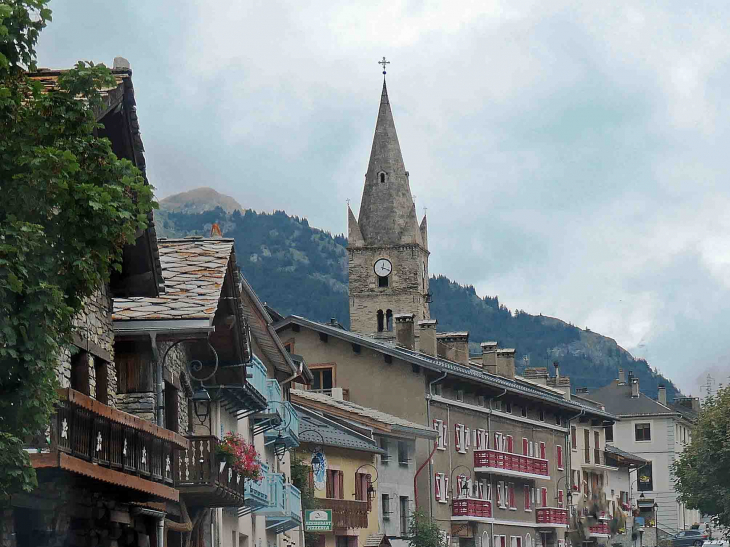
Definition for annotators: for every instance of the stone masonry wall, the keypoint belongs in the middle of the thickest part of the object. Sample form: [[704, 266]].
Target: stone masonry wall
[[93, 333], [406, 290]]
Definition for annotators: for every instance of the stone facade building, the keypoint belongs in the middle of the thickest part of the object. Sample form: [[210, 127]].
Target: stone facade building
[[387, 248]]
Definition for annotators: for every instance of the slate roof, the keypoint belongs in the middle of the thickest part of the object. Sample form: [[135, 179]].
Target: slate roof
[[396, 423], [684, 411], [443, 365], [194, 270], [610, 449], [312, 424], [617, 400]]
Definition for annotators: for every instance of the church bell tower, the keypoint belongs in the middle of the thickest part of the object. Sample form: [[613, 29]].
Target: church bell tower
[[387, 248]]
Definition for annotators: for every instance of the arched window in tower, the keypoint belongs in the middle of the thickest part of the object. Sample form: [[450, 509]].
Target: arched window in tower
[[389, 320], [380, 320], [383, 281], [381, 176]]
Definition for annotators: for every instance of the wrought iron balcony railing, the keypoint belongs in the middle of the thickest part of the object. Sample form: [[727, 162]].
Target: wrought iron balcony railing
[[552, 515], [468, 509], [505, 463]]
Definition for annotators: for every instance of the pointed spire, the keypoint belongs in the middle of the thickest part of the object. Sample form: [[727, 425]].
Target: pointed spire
[[354, 237], [386, 216]]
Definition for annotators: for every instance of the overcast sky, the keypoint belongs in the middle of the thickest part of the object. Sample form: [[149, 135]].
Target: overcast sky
[[573, 156]]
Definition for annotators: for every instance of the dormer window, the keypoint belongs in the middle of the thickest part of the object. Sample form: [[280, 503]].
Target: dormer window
[[381, 176]]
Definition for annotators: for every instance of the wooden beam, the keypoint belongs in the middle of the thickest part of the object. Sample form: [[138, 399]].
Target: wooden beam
[[95, 407]]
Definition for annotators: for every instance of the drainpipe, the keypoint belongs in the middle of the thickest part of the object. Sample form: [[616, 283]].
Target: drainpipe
[[293, 376], [161, 532], [160, 380], [435, 444], [489, 434]]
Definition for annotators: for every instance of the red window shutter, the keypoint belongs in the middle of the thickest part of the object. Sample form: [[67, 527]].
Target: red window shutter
[[543, 492], [503, 541], [527, 497], [459, 484], [341, 480], [560, 499], [510, 444], [573, 440], [560, 456], [511, 495], [542, 451], [525, 445]]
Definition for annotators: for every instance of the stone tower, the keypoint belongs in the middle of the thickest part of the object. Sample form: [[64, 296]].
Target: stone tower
[[387, 248]]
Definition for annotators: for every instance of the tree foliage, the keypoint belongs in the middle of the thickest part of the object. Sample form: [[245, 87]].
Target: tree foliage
[[68, 206], [702, 471], [423, 532]]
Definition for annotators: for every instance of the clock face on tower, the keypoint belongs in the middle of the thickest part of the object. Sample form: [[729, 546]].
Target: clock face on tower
[[383, 267]]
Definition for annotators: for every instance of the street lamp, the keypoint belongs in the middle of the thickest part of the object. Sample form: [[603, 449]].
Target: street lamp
[[201, 404]]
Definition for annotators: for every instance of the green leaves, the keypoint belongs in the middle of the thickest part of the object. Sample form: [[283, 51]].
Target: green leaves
[[702, 471], [68, 206]]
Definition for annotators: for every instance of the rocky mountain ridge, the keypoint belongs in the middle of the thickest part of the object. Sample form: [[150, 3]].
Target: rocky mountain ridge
[[302, 270]]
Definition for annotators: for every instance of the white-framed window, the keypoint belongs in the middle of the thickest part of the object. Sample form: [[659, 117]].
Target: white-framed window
[[528, 540], [500, 494], [460, 395], [500, 541], [559, 457], [441, 488], [485, 539], [497, 441], [511, 496], [462, 486], [515, 541], [439, 426], [461, 438]]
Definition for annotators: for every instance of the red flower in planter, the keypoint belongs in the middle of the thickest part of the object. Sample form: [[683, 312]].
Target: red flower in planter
[[241, 456]]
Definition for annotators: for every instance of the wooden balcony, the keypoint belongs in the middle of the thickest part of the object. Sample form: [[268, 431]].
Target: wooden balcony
[[471, 509], [346, 513], [512, 465], [552, 516], [204, 481], [94, 440]]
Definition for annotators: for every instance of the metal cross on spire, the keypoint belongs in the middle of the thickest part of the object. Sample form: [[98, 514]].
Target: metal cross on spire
[[384, 62]]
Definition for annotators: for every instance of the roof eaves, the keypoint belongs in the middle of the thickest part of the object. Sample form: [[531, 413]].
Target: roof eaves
[[438, 365]]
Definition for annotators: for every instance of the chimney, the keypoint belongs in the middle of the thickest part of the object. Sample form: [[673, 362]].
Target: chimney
[[662, 396], [404, 334], [427, 337], [506, 363], [454, 346], [621, 376], [634, 387], [536, 374], [696, 404], [120, 63], [489, 357], [557, 371]]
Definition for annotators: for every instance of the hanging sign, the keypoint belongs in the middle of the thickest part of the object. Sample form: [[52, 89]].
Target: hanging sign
[[318, 520], [319, 470]]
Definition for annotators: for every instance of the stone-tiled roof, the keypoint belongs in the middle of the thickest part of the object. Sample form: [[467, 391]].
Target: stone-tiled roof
[[376, 540], [388, 419], [194, 270], [628, 456]]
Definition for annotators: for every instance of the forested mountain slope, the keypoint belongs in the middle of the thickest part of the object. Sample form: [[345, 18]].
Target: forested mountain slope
[[302, 270]]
